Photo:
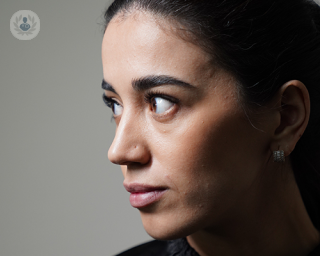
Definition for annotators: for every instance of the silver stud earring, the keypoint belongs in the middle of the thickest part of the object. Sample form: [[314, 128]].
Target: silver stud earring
[[278, 156]]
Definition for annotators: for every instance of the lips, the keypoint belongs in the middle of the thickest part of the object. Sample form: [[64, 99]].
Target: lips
[[144, 195]]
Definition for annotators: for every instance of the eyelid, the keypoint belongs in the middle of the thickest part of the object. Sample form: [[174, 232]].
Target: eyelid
[[153, 94], [108, 100], [147, 98]]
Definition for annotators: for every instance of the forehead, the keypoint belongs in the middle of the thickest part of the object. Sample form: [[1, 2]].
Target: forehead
[[141, 45]]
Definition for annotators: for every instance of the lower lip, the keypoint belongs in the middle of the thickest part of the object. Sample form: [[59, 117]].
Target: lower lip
[[142, 199]]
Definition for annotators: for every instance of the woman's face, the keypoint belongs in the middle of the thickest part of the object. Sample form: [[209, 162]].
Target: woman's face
[[190, 138]]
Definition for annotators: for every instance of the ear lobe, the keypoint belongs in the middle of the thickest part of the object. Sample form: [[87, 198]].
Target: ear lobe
[[294, 112]]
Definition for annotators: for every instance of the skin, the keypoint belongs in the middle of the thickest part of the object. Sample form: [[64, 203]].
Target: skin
[[224, 192]]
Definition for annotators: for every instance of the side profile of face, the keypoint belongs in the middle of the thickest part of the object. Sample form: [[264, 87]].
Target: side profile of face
[[191, 138]]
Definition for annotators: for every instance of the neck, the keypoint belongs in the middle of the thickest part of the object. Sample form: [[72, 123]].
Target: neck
[[272, 223]]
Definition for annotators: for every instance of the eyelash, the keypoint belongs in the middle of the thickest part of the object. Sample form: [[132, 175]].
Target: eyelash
[[109, 103], [153, 94], [147, 98]]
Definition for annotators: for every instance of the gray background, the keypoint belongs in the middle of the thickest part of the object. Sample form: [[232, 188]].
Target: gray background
[[59, 194]]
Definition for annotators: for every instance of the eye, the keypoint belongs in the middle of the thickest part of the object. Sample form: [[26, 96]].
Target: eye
[[160, 105], [115, 106], [117, 109]]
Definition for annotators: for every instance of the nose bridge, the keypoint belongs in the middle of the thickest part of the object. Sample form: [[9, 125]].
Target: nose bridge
[[129, 144]]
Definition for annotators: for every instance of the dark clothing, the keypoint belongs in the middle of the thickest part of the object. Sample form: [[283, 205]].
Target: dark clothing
[[178, 247], [315, 252]]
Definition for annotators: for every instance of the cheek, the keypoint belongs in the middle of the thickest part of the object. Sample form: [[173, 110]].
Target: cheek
[[188, 163], [205, 161]]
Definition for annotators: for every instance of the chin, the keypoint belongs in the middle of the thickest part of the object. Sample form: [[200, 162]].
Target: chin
[[164, 234], [165, 228]]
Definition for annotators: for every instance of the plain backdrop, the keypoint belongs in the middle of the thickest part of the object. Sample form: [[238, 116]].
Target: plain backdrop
[[59, 194]]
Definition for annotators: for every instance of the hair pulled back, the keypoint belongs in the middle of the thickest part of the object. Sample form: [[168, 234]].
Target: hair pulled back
[[264, 44]]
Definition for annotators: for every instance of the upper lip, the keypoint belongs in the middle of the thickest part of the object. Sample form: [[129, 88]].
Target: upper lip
[[138, 188]]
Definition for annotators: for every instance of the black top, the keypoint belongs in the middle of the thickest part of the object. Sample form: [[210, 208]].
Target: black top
[[179, 247]]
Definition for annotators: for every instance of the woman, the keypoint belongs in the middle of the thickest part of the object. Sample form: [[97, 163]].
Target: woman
[[217, 112]]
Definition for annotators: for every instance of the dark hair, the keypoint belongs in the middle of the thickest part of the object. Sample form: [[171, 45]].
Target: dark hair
[[264, 44]]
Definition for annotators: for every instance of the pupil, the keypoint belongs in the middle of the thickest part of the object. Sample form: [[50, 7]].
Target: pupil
[[154, 103]]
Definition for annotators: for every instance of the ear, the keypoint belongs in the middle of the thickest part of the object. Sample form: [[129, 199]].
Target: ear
[[294, 110]]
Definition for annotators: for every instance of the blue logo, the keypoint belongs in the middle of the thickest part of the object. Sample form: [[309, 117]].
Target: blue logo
[[25, 25]]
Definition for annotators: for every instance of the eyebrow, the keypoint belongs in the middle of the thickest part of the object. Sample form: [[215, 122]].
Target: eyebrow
[[147, 82]]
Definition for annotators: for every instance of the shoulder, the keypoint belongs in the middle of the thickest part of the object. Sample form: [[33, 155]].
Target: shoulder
[[155, 248]]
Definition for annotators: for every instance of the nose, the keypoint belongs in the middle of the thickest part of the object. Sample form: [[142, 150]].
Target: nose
[[129, 144]]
